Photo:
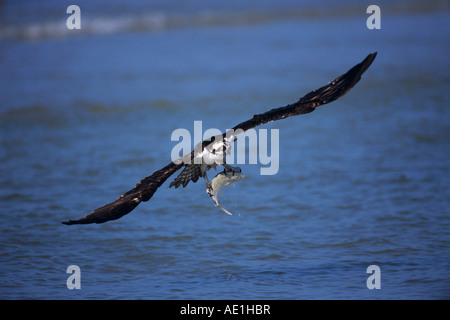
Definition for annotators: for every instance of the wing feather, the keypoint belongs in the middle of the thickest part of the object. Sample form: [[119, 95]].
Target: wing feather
[[326, 94], [123, 205], [191, 172]]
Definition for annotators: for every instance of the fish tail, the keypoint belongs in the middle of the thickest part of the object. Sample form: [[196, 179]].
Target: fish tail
[[225, 210]]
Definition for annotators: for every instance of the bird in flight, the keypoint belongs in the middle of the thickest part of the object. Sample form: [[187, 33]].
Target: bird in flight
[[212, 152]]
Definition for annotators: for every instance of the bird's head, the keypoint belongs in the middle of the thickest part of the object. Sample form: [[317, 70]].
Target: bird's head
[[217, 145]]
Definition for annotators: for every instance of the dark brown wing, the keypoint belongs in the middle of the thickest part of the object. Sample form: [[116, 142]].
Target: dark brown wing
[[143, 191], [326, 94]]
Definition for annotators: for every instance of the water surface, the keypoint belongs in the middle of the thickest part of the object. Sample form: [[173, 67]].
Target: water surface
[[361, 181]]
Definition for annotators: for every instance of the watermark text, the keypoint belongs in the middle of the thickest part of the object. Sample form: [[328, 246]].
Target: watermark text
[[256, 142]]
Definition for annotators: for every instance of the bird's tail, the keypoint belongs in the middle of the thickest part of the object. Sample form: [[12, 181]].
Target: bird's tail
[[191, 172]]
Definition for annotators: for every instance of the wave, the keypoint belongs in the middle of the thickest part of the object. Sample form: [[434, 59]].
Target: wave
[[33, 115], [97, 25], [147, 21], [143, 22]]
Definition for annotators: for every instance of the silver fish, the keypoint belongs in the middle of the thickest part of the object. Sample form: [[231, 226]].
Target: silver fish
[[220, 181]]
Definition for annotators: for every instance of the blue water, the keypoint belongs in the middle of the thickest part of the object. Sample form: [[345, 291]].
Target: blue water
[[85, 114]]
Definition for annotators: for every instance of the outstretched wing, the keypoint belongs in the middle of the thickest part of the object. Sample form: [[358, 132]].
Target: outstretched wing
[[326, 94], [143, 191]]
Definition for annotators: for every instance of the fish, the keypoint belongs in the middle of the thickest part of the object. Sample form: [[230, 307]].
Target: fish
[[228, 176]]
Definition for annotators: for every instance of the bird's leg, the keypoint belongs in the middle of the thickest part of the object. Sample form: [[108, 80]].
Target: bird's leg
[[208, 184]]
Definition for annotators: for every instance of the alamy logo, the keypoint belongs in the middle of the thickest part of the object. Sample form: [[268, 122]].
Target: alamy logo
[[374, 280], [74, 20], [74, 280], [374, 21], [258, 146]]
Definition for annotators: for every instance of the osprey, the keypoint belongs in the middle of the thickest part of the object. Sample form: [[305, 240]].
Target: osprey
[[212, 152]]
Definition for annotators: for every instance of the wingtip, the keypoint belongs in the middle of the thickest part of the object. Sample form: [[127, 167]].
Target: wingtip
[[84, 221], [367, 62], [371, 57], [71, 222]]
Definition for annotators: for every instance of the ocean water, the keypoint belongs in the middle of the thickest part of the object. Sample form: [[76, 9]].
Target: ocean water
[[85, 114]]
